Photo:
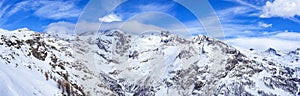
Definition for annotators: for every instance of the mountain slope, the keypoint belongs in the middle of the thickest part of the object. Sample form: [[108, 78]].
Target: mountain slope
[[116, 63]]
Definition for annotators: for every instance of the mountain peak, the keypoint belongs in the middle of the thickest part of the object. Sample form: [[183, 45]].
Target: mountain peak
[[22, 30], [272, 51]]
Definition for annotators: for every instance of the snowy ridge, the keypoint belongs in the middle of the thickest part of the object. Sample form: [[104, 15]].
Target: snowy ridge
[[116, 63]]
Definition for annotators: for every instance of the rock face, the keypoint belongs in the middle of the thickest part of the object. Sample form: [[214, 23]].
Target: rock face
[[118, 64]]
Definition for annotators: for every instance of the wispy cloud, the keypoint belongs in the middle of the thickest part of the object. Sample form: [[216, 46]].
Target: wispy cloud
[[155, 7], [47, 9], [24, 5], [57, 10], [229, 14], [235, 27], [294, 19], [264, 25], [232, 27], [4, 8], [249, 3]]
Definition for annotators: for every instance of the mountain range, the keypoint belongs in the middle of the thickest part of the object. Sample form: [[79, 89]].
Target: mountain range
[[115, 63]]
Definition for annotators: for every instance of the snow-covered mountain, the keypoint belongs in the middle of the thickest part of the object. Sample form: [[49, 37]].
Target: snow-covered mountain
[[114, 63]]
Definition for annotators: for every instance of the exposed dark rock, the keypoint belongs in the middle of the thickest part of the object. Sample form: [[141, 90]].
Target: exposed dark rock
[[272, 51], [184, 54], [198, 85], [134, 54]]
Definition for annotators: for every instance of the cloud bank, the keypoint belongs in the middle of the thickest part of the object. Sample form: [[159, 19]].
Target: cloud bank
[[280, 41]]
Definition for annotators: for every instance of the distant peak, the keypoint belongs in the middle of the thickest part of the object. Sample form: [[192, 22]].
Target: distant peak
[[272, 51], [165, 33], [23, 29], [296, 52], [251, 49], [113, 32]]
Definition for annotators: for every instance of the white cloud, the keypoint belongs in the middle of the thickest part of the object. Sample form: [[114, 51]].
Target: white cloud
[[149, 21], [281, 8], [264, 43], [110, 18], [130, 27], [288, 36], [61, 28], [280, 41], [262, 24], [82, 27]]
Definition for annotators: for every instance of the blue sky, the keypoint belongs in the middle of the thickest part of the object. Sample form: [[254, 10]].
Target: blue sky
[[242, 21]]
